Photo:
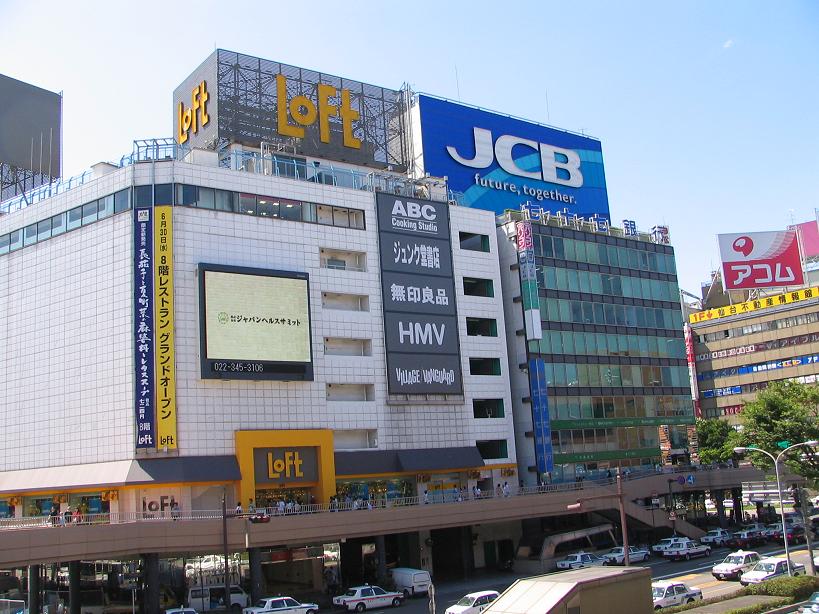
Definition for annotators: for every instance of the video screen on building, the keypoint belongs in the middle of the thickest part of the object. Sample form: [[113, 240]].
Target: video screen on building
[[254, 323]]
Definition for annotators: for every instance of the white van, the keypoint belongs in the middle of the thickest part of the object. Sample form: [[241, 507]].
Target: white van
[[205, 598], [410, 581]]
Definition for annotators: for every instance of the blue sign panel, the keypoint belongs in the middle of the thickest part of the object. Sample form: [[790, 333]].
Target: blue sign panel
[[499, 162], [544, 454], [144, 328]]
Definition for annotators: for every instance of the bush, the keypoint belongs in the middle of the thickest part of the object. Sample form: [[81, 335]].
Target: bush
[[798, 587], [760, 607]]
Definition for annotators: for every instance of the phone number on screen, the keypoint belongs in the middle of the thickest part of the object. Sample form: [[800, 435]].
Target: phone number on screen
[[238, 367]]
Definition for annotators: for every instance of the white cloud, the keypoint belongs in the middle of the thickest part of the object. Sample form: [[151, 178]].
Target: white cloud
[[728, 44]]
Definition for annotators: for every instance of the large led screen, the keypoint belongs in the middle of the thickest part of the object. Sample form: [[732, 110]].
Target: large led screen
[[255, 323]]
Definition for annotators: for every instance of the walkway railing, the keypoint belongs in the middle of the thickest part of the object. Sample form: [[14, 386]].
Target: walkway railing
[[294, 509]]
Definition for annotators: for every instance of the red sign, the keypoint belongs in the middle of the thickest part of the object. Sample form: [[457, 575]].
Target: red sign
[[692, 370], [760, 260], [731, 410]]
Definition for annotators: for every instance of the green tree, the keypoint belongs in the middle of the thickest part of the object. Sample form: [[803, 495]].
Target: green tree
[[715, 440], [783, 412]]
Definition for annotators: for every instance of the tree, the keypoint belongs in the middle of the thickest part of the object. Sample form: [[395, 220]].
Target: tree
[[715, 440], [784, 411]]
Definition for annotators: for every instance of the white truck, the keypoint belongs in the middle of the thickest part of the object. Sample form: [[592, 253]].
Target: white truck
[[687, 549], [667, 544], [716, 537]]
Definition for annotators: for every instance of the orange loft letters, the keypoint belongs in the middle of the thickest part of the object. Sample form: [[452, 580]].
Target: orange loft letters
[[187, 118], [304, 112]]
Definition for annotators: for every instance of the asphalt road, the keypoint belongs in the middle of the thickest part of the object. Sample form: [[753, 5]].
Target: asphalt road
[[696, 572]]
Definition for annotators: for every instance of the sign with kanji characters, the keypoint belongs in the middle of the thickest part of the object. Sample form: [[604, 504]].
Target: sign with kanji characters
[[418, 292], [754, 305], [164, 334], [255, 323], [145, 436]]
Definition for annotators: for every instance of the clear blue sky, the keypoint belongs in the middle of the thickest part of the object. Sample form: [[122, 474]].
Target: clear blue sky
[[708, 111]]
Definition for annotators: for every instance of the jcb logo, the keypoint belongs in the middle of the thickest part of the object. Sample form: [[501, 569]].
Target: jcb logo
[[187, 118], [290, 465], [304, 112]]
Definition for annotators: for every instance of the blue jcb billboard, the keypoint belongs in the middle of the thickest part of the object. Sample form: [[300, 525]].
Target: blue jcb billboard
[[499, 162]]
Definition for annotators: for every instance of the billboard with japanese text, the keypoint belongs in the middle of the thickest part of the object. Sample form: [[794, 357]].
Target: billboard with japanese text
[[255, 323], [760, 260], [497, 161], [418, 289]]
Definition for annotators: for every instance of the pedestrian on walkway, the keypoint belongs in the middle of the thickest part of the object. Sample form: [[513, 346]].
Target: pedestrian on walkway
[[426, 497], [505, 489], [498, 491], [251, 509], [175, 511], [238, 510]]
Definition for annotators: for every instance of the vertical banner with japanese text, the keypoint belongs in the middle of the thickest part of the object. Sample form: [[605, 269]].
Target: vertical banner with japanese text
[[528, 281], [164, 322], [544, 450], [144, 330]]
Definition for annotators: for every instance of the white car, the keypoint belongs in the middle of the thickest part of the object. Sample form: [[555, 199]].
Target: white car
[[771, 567], [667, 594], [281, 604], [716, 537], [360, 598], [669, 543], [735, 564], [579, 560], [615, 555], [473, 603], [181, 611]]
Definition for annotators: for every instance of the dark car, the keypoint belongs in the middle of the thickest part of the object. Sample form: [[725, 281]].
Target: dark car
[[743, 540], [796, 535]]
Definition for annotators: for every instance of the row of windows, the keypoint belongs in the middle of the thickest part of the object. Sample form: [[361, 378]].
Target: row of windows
[[602, 344], [601, 440], [607, 314], [268, 206], [728, 391], [563, 374], [760, 327], [597, 253], [760, 367], [65, 221], [582, 408], [553, 278], [184, 195]]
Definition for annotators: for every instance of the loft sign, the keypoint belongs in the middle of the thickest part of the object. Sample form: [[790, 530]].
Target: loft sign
[[285, 465], [196, 115]]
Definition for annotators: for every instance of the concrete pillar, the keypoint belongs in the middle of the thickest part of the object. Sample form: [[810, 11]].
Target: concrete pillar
[[720, 509], [381, 555], [150, 573], [35, 604], [736, 495], [254, 556], [74, 599]]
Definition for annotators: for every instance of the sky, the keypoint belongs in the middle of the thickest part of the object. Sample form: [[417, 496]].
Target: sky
[[708, 112]]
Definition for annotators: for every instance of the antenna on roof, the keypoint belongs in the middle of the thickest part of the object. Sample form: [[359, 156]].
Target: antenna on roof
[[457, 83]]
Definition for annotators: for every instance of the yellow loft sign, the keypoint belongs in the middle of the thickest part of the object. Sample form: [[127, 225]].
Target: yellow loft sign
[[290, 465], [304, 112], [187, 118]]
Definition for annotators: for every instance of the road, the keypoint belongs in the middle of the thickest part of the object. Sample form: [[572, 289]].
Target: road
[[696, 572]]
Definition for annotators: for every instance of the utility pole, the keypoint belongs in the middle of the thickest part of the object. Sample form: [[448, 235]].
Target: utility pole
[[225, 546], [803, 499], [623, 526]]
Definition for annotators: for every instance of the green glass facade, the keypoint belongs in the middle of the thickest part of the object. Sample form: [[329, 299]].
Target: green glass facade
[[613, 348]]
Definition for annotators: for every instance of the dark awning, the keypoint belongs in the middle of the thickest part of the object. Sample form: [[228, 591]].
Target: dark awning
[[367, 462], [185, 469]]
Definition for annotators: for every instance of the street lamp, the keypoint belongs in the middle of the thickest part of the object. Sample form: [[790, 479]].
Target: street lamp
[[577, 507], [775, 459]]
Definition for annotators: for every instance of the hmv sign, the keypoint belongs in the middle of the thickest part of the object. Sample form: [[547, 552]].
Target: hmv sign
[[418, 289]]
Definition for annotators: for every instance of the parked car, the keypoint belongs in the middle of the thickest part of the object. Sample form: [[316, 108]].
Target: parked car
[[359, 598], [746, 539], [754, 526], [796, 534], [181, 611], [666, 544], [615, 556], [579, 560], [410, 581], [667, 594], [473, 603], [687, 550], [716, 537], [768, 568], [771, 530], [811, 606], [735, 564], [205, 598], [281, 604]]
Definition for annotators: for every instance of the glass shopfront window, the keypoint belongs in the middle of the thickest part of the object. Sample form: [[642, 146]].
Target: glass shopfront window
[[6, 509], [379, 490], [88, 503], [38, 505], [272, 498]]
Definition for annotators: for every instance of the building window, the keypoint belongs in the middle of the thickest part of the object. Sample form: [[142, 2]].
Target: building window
[[481, 327], [487, 408], [143, 195], [494, 448], [474, 242], [474, 286], [164, 193], [484, 366]]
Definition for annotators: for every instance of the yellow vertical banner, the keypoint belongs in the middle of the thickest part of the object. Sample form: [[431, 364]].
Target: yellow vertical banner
[[164, 322]]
